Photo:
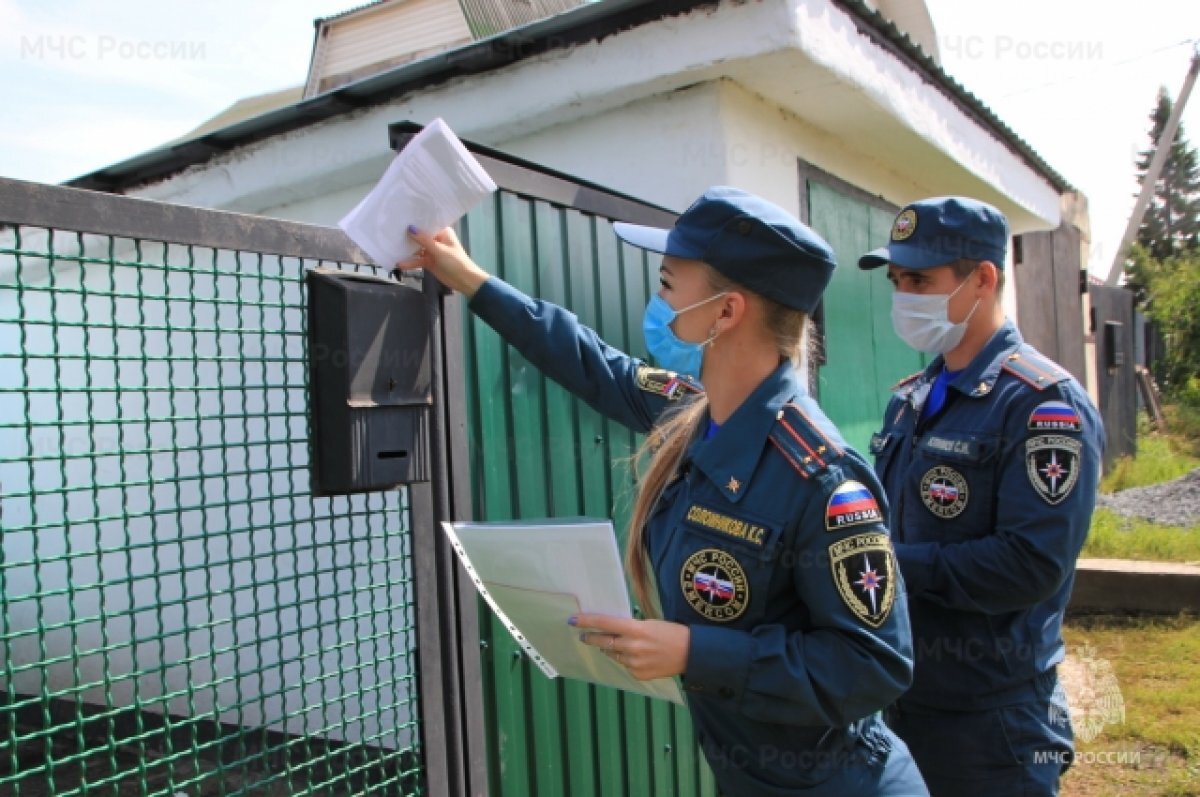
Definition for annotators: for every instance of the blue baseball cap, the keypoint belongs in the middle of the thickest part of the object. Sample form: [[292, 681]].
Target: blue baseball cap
[[749, 240], [941, 230]]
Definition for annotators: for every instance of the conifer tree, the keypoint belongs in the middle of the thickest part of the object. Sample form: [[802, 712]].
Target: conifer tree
[[1171, 225]]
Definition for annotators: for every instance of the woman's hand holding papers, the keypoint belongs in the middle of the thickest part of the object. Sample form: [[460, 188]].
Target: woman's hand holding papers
[[443, 256], [647, 648]]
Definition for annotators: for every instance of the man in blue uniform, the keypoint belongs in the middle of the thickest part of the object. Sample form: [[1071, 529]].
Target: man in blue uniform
[[990, 459]]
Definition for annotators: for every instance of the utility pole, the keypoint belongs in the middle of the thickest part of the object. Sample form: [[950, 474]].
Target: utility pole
[[1162, 148]]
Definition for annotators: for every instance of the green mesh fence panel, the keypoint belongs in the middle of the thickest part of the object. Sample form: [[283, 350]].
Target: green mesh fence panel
[[178, 616]]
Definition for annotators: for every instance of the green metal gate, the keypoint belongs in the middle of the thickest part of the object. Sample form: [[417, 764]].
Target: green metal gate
[[178, 616]]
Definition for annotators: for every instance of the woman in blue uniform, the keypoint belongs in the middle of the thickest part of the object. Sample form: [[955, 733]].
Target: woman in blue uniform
[[757, 547]]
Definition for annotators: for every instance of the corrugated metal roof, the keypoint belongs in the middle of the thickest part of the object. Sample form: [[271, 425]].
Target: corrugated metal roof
[[482, 11], [488, 17], [581, 24]]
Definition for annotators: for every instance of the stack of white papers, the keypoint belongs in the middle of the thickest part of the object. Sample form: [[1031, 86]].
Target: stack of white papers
[[430, 184], [536, 574]]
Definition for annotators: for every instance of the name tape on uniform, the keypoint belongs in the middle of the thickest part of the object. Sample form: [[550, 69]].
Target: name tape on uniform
[[737, 528]]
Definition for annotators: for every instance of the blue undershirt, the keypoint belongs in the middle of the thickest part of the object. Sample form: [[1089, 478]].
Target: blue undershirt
[[937, 393]]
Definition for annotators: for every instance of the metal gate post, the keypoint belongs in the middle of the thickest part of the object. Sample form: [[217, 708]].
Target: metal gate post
[[447, 621]]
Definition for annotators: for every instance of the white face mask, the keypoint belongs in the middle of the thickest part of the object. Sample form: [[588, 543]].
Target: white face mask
[[923, 321]]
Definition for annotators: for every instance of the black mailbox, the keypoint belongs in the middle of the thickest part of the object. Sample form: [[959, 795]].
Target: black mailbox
[[370, 387]]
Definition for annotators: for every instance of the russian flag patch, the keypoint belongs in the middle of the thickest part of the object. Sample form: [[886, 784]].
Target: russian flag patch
[[851, 504], [1055, 416]]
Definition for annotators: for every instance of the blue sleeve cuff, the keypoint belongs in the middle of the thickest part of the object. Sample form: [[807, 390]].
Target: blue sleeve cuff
[[916, 561], [718, 662], [492, 287]]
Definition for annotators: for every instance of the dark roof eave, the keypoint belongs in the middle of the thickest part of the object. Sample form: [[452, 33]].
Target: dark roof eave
[[593, 21]]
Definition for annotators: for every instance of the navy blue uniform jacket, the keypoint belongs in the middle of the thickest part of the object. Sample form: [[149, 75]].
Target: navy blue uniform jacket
[[991, 501], [770, 544]]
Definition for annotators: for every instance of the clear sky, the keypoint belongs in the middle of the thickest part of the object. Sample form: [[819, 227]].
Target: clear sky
[[90, 83]]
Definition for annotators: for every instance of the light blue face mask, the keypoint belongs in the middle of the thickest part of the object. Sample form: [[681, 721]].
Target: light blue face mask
[[664, 345]]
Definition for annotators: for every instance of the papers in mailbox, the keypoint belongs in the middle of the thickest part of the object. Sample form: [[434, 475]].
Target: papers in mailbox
[[536, 574], [430, 184]]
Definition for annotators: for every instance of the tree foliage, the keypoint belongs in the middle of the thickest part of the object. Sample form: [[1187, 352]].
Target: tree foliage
[[1172, 300], [1172, 221], [1165, 268]]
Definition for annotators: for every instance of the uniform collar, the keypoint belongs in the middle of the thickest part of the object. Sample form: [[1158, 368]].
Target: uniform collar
[[979, 376], [730, 458]]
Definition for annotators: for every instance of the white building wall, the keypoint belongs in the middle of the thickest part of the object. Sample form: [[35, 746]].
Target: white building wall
[[664, 149], [669, 148]]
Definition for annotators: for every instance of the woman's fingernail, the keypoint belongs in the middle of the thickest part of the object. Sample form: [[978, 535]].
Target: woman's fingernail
[[583, 636], [571, 620], [412, 230]]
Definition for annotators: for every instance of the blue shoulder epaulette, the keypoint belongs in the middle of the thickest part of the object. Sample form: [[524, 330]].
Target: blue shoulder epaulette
[[1034, 368], [802, 443]]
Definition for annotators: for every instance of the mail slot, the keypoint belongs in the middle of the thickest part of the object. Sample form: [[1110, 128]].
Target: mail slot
[[369, 382], [1114, 344]]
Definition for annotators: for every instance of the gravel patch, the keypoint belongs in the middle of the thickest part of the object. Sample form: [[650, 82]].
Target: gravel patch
[[1173, 503]]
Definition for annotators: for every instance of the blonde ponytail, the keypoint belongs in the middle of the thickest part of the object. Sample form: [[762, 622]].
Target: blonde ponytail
[[664, 448]]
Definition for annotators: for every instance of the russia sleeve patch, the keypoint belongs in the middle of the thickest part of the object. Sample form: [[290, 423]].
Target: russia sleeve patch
[[851, 504], [1055, 416]]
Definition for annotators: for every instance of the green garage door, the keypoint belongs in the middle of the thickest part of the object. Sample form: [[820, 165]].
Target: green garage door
[[864, 358]]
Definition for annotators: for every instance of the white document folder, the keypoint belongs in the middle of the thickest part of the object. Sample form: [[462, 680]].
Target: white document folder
[[536, 574]]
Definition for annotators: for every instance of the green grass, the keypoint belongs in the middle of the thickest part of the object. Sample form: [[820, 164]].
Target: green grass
[[1115, 537], [1157, 666], [1160, 458]]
